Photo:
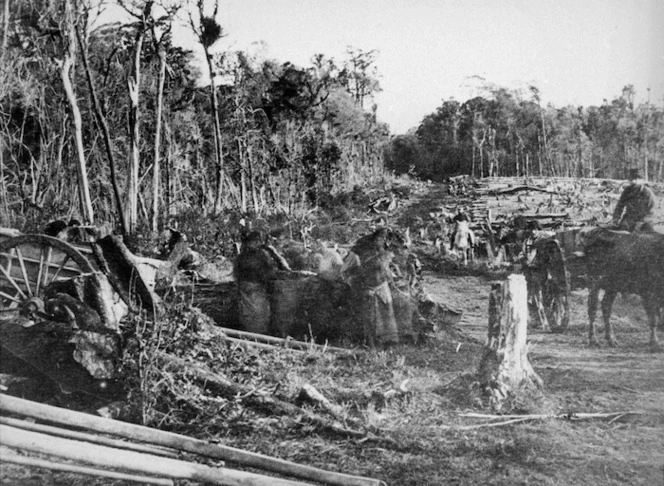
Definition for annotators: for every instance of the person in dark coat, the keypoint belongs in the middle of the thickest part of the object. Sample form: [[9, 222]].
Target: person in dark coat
[[368, 267], [255, 271], [634, 211]]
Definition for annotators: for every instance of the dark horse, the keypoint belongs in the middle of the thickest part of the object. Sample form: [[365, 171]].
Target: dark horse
[[631, 263]]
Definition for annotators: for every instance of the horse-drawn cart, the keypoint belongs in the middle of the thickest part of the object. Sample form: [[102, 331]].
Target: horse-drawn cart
[[553, 266]]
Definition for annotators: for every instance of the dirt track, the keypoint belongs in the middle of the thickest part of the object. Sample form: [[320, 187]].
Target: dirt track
[[579, 378]]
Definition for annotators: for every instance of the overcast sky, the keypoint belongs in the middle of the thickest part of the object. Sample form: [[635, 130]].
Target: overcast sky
[[575, 51]]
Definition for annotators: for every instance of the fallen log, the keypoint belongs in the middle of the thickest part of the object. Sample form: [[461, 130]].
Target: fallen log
[[10, 457], [309, 394], [178, 442], [500, 420], [224, 386], [514, 190], [132, 461], [546, 216], [92, 438]]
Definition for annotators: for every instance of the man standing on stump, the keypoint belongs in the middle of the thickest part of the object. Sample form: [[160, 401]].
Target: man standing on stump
[[634, 211]]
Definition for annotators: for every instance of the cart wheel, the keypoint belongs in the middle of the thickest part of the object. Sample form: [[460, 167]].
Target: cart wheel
[[28, 264], [549, 270]]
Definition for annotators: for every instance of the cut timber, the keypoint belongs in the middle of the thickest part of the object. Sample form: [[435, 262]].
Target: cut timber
[[286, 343], [134, 462], [514, 190], [505, 370], [84, 436], [18, 406], [23, 460], [546, 216]]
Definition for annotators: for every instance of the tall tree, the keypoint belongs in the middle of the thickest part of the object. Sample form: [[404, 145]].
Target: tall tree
[[161, 31], [361, 74], [66, 67], [142, 13], [208, 32]]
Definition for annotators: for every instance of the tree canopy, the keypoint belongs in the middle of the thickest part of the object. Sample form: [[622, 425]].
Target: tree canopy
[[504, 133]]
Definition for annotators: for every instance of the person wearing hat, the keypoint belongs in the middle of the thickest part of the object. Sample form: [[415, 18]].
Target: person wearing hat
[[634, 211], [255, 270]]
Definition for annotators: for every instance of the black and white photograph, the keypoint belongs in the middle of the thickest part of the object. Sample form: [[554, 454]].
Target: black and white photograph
[[331, 242]]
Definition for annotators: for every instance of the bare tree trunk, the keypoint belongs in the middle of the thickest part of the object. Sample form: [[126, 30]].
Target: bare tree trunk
[[101, 120], [157, 139], [243, 178], [217, 135], [252, 181], [5, 27], [4, 214], [170, 185], [65, 72], [134, 87], [134, 154], [505, 370]]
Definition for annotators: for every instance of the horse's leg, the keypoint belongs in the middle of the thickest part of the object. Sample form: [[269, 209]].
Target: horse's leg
[[652, 308], [541, 312], [607, 304], [593, 296]]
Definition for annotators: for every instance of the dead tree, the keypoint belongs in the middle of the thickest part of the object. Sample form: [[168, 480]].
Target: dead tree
[[66, 66], [505, 371]]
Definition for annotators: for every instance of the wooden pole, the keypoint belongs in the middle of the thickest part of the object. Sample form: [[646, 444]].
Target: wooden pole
[[92, 438], [246, 343], [504, 369], [9, 457], [287, 343], [132, 461], [134, 432]]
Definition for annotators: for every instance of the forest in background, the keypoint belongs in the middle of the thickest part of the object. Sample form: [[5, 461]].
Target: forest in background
[[116, 124], [505, 132]]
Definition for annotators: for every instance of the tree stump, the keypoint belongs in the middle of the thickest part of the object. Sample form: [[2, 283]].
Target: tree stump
[[505, 371]]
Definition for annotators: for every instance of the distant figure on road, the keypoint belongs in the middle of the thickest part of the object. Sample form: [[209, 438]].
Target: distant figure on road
[[634, 211]]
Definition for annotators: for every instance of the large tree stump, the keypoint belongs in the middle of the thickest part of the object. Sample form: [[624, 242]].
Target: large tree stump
[[505, 371]]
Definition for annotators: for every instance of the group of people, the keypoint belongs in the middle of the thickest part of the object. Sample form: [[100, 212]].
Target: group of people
[[366, 269]]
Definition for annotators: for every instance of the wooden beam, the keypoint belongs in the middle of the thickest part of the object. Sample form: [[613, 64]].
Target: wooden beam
[[286, 343], [92, 438], [10, 457], [134, 432], [136, 462]]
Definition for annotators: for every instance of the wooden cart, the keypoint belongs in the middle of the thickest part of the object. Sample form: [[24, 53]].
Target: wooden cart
[[79, 290]]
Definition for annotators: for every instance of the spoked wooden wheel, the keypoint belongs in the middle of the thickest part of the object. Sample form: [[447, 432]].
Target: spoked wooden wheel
[[28, 265], [549, 280]]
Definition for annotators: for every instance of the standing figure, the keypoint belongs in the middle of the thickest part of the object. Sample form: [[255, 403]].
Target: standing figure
[[368, 266], [255, 271], [634, 211], [463, 238]]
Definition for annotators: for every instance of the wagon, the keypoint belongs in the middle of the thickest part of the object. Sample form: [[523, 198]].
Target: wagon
[[552, 268], [82, 290]]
